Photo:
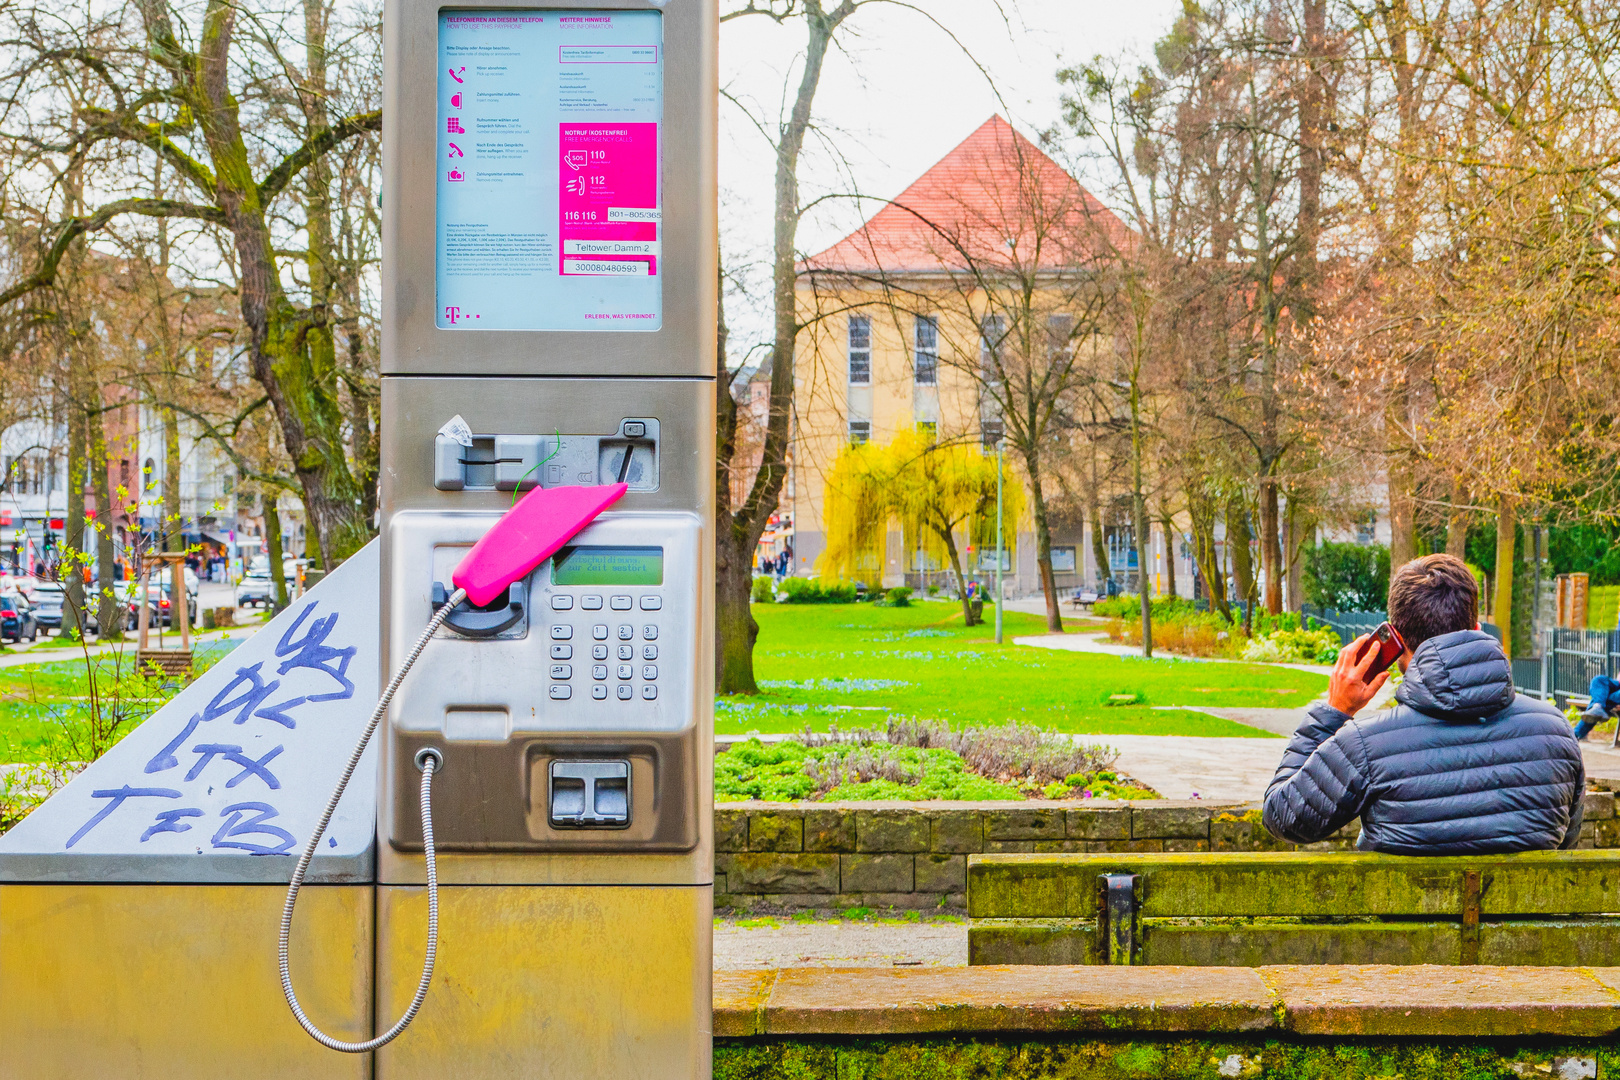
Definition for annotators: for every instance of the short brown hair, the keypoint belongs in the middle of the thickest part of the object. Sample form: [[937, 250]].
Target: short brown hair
[[1434, 595]]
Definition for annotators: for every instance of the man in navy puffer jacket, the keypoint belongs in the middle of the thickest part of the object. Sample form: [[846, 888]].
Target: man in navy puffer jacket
[[1462, 765]]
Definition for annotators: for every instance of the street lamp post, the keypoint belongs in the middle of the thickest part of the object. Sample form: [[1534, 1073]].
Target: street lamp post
[[998, 542]]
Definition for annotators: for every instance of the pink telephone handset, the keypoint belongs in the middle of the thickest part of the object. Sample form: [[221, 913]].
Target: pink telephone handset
[[530, 533]]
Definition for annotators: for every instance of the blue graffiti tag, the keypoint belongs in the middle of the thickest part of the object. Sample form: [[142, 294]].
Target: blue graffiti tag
[[311, 651], [235, 826], [169, 821], [118, 797]]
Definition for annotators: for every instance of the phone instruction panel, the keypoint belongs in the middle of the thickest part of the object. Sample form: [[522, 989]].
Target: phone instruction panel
[[549, 207]]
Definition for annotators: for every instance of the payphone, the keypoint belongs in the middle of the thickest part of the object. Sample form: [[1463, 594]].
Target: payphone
[[549, 295]]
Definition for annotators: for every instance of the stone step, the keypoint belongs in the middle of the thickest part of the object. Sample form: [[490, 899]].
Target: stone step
[[1375, 1001]]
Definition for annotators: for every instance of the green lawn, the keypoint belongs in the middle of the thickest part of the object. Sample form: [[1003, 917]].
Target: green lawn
[[855, 665], [36, 699]]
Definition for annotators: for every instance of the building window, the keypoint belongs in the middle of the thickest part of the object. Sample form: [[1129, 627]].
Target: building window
[[990, 432], [992, 330], [987, 559], [860, 350], [860, 431], [150, 469], [928, 429], [927, 365], [1063, 560], [1059, 335]]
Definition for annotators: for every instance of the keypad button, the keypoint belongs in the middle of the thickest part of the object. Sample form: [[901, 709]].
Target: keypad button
[[621, 603], [649, 692], [562, 652], [561, 603], [649, 652], [599, 692], [649, 671], [652, 603], [626, 691], [599, 671], [561, 633], [599, 652], [562, 671], [650, 632], [626, 632], [627, 652], [627, 671], [591, 603], [599, 632], [561, 691]]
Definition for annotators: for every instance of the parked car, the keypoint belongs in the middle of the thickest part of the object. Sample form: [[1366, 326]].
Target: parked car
[[255, 590], [17, 618], [192, 607], [48, 599]]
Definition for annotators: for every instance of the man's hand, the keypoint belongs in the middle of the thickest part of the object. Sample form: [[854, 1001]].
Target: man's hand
[[1349, 687]]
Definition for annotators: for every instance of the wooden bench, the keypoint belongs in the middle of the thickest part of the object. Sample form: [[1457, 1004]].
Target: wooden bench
[[1249, 909], [1084, 598]]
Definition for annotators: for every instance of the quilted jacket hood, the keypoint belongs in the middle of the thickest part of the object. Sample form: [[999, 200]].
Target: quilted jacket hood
[[1463, 676]]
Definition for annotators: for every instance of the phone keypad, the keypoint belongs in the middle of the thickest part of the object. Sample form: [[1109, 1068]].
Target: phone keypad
[[627, 674]]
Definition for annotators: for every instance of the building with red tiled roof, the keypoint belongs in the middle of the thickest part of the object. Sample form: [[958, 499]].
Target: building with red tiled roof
[[996, 200], [896, 317]]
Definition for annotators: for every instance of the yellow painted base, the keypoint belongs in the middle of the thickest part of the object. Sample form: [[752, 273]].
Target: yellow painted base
[[545, 982], [172, 982]]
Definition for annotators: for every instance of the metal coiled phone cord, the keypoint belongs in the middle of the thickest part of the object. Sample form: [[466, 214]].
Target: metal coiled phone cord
[[427, 760]]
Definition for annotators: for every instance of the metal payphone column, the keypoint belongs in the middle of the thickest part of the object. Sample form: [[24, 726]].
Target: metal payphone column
[[549, 278]]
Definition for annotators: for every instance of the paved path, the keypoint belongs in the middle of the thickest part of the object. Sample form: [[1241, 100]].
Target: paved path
[[760, 943], [1087, 641]]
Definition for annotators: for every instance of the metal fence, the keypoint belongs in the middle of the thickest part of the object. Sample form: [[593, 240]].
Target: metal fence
[[1349, 625], [1570, 659]]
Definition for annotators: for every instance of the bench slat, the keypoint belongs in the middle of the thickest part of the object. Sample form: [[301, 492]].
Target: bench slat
[[1543, 942], [1198, 885]]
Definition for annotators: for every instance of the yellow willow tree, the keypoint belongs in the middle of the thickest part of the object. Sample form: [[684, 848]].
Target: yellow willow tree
[[941, 494]]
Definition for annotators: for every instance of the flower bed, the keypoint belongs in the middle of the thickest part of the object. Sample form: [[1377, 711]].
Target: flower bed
[[917, 760]]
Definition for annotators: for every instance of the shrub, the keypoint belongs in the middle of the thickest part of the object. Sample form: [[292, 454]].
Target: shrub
[[1129, 606], [900, 596], [806, 591], [1203, 633], [1347, 577], [1294, 647], [762, 591]]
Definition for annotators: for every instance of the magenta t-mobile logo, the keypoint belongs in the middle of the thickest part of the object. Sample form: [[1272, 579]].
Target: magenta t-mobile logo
[[452, 313]]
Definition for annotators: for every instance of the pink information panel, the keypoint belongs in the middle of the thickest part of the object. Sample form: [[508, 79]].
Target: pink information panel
[[609, 199]]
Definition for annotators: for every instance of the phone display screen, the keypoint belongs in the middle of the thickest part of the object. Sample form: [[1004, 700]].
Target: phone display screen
[[608, 566]]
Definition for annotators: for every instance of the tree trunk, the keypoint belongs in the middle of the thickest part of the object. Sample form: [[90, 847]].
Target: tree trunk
[[1457, 522], [272, 548], [1099, 546], [1237, 549], [1139, 514], [1043, 542], [289, 351], [1502, 613], [170, 527], [72, 560], [1270, 548], [949, 537], [1144, 545], [1206, 555], [1402, 541], [109, 612], [738, 529], [1301, 525], [1171, 537]]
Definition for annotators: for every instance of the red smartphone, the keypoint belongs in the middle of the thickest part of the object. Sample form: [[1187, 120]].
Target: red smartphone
[[1387, 640]]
